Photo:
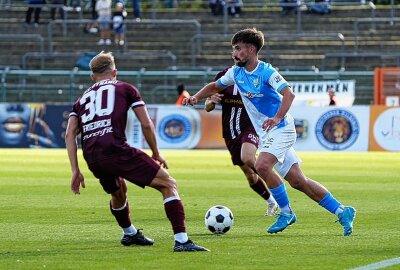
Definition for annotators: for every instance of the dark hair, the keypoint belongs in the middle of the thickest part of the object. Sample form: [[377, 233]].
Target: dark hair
[[180, 88], [249, 36]]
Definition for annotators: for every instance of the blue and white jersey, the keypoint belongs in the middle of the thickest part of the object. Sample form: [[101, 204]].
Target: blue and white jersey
[[260, 91]]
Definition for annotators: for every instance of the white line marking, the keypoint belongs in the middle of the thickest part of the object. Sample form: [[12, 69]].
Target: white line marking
[[379, 265]]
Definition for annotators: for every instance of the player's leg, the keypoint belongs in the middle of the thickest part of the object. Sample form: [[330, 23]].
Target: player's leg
[[317, 192], [119, 207], [273, 147], [174, 210], [248, 158]]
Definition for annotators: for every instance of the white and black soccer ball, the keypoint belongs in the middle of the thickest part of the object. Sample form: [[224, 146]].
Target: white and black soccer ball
[[219, 219]]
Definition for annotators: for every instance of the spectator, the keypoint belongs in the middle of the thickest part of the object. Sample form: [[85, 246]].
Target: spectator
[[288, 6], [34, 6], [171, 3], [5, 4], [92, 26], [320, 7], [103, 8], [118, 18], [332, 98], [216, 7], [77, 6], [182, 93], [54, 9], [236, 7], [136, 10]]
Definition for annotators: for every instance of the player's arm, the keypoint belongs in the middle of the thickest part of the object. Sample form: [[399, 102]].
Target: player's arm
[[210, 103], [71, 134], [208, 90], [287, 100], [149, 133]]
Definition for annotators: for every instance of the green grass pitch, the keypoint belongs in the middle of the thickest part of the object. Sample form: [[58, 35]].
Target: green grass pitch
[[44, 226]]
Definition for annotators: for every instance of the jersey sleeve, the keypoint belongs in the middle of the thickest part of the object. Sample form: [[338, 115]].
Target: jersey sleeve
[[227, 79], [75, 109], [135, 98], [277, 81]]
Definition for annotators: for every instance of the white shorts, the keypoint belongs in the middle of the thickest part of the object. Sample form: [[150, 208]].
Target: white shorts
[[278, 141], [290, 159]]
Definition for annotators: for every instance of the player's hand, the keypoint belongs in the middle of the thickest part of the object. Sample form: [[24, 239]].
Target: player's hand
[[163, 163], [270, 123], [189, 101], [77, 181], [216, 98]]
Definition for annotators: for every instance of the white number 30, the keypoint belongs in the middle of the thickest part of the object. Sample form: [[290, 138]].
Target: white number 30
[[94, 102]]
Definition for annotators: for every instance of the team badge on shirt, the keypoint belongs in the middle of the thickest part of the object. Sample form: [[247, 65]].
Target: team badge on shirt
[[255, 82]]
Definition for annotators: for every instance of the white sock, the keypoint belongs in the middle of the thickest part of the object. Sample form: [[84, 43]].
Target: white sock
[[286, 209], [339, 210], [131, 230], [181, 237], [271, 200]]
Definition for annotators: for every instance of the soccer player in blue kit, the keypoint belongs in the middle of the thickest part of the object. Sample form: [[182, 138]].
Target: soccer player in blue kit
[[267, 97]]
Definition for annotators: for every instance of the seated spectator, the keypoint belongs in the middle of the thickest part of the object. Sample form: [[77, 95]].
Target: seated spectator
[[236, 7], [217, 7], [320, 7], [288, 6], [118, 18], [72, 5], [103, 8]]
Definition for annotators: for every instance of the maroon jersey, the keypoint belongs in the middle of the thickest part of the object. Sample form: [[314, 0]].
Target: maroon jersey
[[235, 119], [102, 112]]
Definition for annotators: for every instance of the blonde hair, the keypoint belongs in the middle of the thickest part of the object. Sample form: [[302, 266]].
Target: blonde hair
[[119, 6], [102, 63]]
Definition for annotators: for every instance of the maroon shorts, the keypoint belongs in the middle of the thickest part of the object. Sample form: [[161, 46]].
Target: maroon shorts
[[135, 166], [235, 146]]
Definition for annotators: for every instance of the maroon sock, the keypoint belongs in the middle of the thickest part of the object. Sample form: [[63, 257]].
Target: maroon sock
[[176, 215], [122, 216], [261, 189]]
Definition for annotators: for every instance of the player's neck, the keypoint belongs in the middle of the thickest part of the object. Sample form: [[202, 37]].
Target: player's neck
[[252, 65]]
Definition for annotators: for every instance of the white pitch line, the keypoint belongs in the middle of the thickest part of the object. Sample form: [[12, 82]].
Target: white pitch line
[[379, 265]]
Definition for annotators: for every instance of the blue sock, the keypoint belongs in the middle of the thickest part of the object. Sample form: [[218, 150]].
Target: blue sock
[[330, 203], [282, 198]]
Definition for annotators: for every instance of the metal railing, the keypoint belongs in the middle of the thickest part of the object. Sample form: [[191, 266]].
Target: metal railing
[[196, 45], [372, 21], [131, 55], [345, 55], [70, 84], [65, 24], [299, 6]]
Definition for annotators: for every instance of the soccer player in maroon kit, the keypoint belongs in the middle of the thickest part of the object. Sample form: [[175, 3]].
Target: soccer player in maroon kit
[[100, 116], [240, 138]]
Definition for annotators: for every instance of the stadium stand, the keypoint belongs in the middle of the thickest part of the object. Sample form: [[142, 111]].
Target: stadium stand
[[348, 39]]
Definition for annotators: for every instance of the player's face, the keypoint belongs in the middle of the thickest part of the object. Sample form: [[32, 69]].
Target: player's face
[[240, 54], [14, 123]]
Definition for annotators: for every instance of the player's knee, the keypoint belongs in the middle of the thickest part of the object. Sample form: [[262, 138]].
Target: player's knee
[[248, 162], [171, 183], [118, 198], [263, 169], [298, 183]]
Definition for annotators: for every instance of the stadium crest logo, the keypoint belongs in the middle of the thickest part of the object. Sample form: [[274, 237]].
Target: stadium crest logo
[[174, 128], [337, 129]]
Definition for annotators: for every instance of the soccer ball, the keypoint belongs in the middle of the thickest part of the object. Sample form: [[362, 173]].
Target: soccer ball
[[219, 219]]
